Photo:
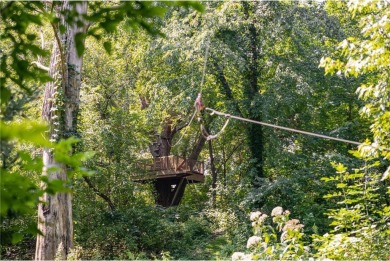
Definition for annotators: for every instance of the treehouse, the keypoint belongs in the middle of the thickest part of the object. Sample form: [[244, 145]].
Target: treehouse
[[170, 175]]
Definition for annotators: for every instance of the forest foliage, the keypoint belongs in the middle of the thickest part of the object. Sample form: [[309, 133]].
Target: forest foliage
[[320, 66]]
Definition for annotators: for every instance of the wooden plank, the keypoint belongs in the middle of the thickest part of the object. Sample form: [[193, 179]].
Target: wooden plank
[[172, 167], [197, 178], [178, 189]]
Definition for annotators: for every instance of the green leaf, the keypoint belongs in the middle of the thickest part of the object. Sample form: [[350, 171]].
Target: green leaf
[[341, 185], [27, 131], [56, 186], [79, 39], [16, 238], [5, 94], [108, 47]]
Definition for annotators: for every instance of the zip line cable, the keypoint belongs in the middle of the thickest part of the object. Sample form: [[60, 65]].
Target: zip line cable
[[212, 111]]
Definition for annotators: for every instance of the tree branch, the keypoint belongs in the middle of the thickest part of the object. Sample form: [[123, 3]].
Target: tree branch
[[225, 87], [100, 194], [41, 66]]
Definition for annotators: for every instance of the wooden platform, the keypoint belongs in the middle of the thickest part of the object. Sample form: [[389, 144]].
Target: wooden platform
[[171, 167]]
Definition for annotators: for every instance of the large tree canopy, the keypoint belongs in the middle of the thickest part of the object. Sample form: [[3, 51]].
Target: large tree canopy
[[117, 82]]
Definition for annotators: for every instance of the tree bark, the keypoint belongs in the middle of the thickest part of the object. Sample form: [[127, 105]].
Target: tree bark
[[213, 174], [197, 149], [60, 109], [251, 92]]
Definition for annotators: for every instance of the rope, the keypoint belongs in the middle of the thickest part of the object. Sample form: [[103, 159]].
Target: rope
[[200, 92], [282, 128], [184, 131], [207, 136], [204, 66]]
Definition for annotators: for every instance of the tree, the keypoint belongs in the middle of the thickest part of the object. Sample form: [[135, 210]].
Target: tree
[[70, 23], [363, 194], [60, 110], [368, 55], [62, 101]]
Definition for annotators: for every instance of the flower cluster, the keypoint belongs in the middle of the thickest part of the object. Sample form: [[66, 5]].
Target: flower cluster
[[257, 218], [292, 224], [241, 256], [277, 211], [279, 216], [253, 241], [266, 243]]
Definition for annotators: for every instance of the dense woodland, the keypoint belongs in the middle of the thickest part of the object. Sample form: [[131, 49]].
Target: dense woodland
[[92, 92]]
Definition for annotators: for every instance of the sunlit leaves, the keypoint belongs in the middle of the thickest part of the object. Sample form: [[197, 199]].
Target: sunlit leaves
[[18, 18], [368, 55], [20, 188], [25, 131], [361, 215]]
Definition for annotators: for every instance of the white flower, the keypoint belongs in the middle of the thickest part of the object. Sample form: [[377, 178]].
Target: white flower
[[253, 241], [283, 237], [262, 218], [255, 215], [277, 211], [238, 256], [292, 224]]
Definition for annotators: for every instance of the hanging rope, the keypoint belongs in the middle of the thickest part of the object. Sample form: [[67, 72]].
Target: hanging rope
[[198, 102], [207, 136], [199, 107], [281, 127], [184, 131], [204, 65]]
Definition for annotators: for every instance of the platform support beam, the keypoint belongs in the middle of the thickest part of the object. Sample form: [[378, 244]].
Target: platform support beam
[[179, 191]]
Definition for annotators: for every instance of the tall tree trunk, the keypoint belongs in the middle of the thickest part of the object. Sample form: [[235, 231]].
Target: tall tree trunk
[[60, 109], [251, 92], [213, 174], [161, 148]]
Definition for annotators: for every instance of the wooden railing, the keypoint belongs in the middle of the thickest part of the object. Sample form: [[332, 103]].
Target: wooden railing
[[175, 164]]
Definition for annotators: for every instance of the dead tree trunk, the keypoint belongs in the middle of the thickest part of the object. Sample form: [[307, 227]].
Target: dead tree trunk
[[55, 213]]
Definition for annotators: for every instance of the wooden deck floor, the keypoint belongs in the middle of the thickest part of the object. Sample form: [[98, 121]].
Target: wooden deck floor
[[171, 167]]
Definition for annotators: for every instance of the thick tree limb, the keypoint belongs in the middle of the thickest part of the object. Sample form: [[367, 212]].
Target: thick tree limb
[[197, 147], [225, 87], [100, 194]]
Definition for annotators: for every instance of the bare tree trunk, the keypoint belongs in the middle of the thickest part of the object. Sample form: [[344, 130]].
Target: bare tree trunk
[[255, 132], [213, 174], [55, 213]]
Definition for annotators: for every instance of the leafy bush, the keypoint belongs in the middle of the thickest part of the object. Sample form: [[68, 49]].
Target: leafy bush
[[281, 239], [360, 224]]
